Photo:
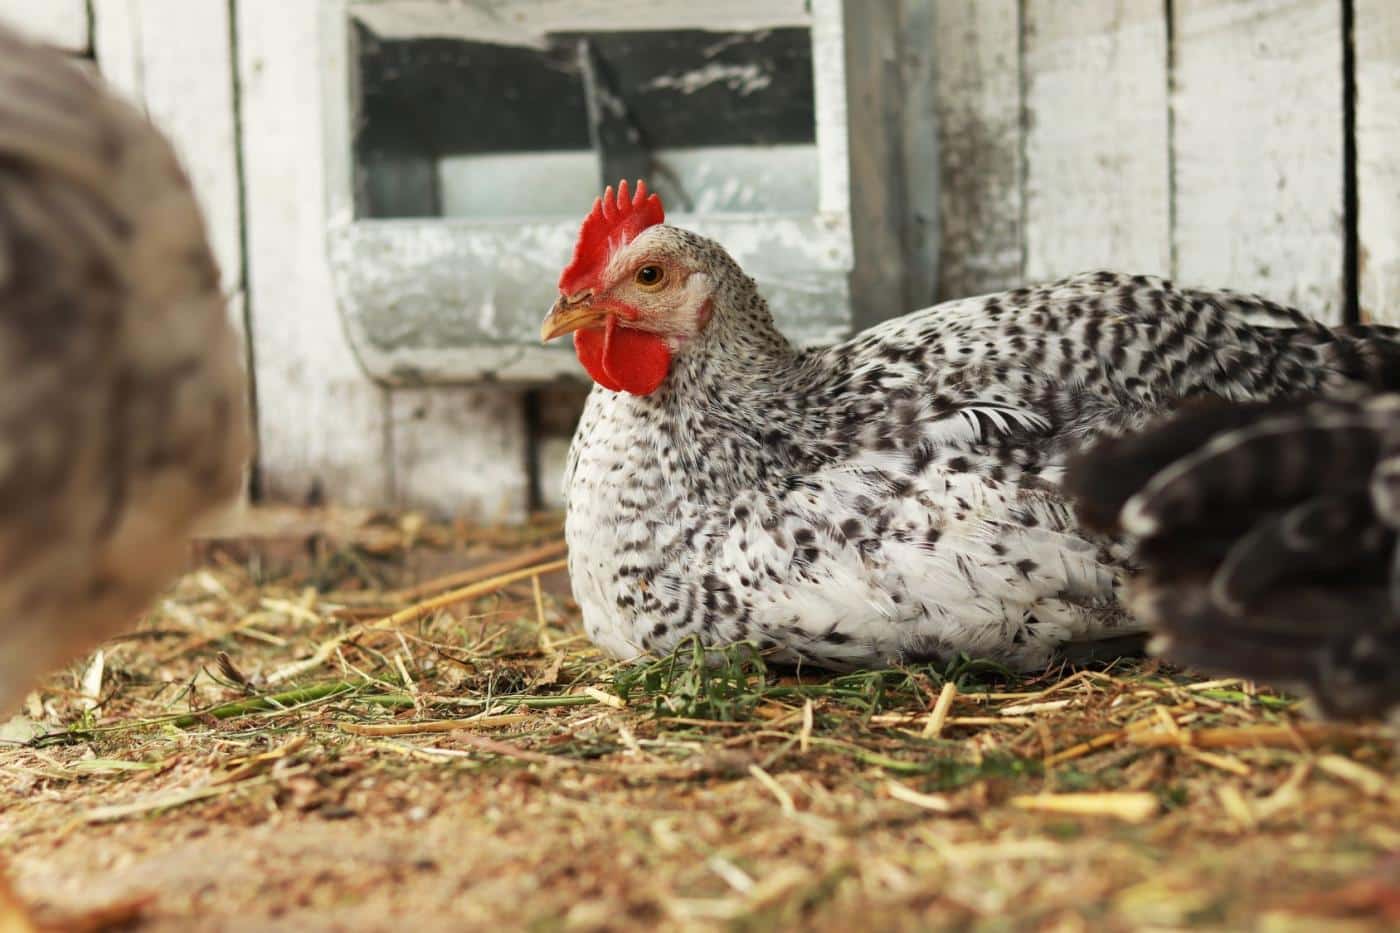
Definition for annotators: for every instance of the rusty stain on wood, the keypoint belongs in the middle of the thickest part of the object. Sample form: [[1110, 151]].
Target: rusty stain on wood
[[978, 75]]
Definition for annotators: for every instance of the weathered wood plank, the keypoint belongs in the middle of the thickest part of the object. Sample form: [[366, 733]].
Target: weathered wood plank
[[1258, 186], [460, 451], [324, 426], [833, 135], [875, 112], [978, 76], [893, 149], [175, 57], [1097, 192], [1377, 32], [61, 23], [919, 132], [322, 422]]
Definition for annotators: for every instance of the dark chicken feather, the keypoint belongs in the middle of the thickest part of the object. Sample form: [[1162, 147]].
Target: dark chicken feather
[[1122, 465], [1267, 540]]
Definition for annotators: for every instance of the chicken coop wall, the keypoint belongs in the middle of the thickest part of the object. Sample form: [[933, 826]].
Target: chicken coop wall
[[1242, 143]]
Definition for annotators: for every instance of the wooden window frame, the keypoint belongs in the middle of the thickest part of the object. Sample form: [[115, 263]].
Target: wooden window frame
[[429, 300]]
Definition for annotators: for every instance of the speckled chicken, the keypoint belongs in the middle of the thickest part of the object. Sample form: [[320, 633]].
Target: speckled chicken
[[1267, 537], [893, 498], [122, 411]]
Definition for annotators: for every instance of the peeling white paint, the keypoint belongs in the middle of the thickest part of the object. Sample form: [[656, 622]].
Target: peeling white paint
[[745, 79], [321, 421], [460, 300]]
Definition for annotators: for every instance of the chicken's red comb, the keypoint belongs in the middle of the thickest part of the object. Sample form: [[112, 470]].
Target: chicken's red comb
[[611, 223]]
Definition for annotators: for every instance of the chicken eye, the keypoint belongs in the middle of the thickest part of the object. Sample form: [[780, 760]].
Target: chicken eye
[[651, 276]]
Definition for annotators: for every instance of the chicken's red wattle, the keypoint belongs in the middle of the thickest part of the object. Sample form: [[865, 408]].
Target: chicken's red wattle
[[623, 359]]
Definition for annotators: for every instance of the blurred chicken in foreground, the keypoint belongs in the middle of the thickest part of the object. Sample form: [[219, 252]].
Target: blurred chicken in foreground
[[1267, 537], [122, 400]]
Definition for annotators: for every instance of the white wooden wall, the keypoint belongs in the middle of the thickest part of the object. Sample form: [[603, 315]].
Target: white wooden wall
[[326, 429], [1097, 184], [1377, 31], [62, 23], [1200, 139], [1208, 140]]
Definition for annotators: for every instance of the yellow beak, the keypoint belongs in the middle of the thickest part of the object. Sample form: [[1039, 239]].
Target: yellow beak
[[565, 318]]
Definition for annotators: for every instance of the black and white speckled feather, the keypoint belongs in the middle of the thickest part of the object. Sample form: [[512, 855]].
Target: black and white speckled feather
[[1267, 537], [897, 497]]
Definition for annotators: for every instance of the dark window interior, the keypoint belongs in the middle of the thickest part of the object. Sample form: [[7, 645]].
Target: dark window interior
[[623, 96]]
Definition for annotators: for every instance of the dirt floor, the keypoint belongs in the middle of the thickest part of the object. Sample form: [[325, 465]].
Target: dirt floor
[[324, 726]]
